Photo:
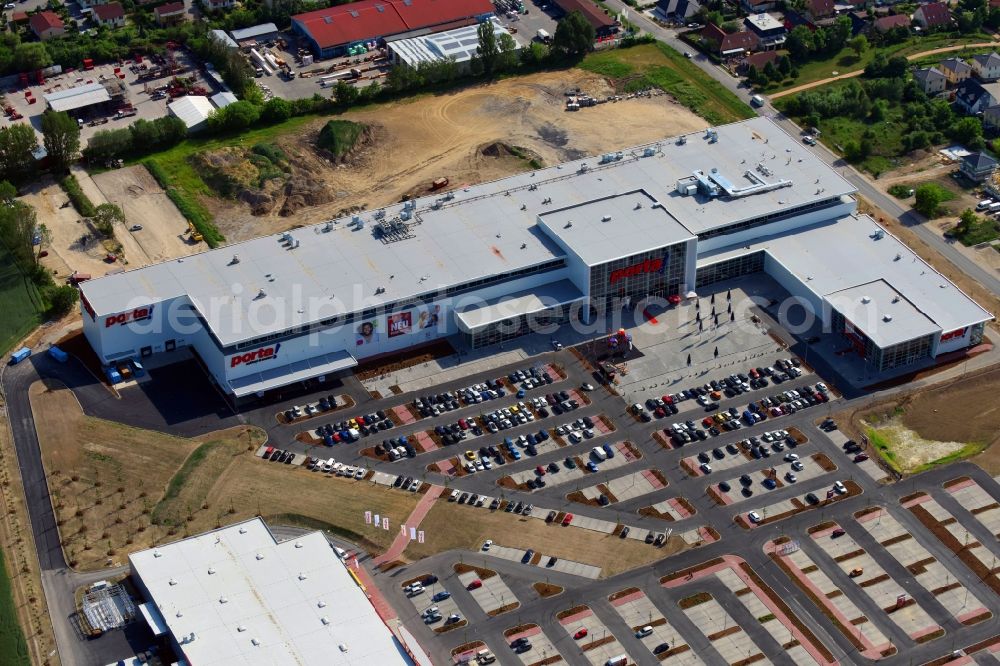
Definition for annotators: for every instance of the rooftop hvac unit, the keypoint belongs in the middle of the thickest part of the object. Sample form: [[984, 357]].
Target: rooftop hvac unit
[[887, 318], [379, 214], [404, 215], [584, 167], [866, 299], [606, 218], [681, 140], [619, 156]]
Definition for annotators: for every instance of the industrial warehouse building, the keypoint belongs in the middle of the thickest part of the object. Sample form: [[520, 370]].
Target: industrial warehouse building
[[565, 243], [237, 596], [459, 45], [331, 31]]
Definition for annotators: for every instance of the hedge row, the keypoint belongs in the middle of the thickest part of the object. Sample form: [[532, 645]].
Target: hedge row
[[81, 202], [189, 208]]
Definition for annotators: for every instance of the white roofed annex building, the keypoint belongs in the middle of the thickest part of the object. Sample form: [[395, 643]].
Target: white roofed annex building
[[561, 243]]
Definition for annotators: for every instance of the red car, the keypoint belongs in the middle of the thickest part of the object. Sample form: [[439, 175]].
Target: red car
[[567, 519], [268, 451], [667, 399], [861, 457], [708, 422], [580, 634], [540, 471], [475, 585], [463, 424]]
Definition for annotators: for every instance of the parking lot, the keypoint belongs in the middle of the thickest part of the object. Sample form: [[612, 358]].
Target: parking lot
[[590, 635]]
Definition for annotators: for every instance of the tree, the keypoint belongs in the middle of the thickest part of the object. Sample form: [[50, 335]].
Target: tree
[[967, 221], [235, 117], [574, 35], [489, 50], [344, 93], [61, 300], [508, 53], [7, 192], [799, 43], [31, 56], [928, 199], [858, 44], [771, 72], [17, 230], [17, 143], [61, 136], [108, 144], [276, 110], [106, 216], [967, 131], [785, 65]]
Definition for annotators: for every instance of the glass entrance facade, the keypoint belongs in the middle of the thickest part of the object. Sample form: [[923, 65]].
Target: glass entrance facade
[[657, 272]]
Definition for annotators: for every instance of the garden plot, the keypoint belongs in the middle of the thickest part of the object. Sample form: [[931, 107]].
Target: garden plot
[[726, 636], [542, 651], [494, 597], [836, 605], [926, 570], [887, 594], [422, 602], [781, 634], [978, 502], [638, 610], [625, 454], [598, 644]]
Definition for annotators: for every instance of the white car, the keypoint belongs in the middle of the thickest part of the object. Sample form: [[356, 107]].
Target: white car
[[754, 517], [359, 473], [840, 488]]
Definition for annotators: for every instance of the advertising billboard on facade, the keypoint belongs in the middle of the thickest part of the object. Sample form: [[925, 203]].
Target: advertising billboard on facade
[[400, 323]]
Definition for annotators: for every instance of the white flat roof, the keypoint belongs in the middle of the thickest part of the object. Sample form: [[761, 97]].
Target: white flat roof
[[765, 22], [618, 226], [483, 230], [254, 31], [460, 44], [192, 109], [77, 97], [234, 596], [846, 259], [522, 303]]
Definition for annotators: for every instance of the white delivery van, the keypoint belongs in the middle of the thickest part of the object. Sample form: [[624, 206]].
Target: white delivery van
[[757, 100], [598, 453]]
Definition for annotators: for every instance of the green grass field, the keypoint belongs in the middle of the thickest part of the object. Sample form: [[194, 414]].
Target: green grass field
[[660, 66], [20, 302], [13, 649]]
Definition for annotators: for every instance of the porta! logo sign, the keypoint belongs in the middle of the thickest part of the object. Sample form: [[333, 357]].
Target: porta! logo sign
[[256, 356], [958, 333], [139, 314], [646, 266]]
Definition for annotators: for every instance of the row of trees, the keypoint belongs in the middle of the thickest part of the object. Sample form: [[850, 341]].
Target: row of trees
[[18, 143]]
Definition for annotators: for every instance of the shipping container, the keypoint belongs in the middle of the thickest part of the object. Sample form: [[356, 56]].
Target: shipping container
[[20, 355], [58, 354]]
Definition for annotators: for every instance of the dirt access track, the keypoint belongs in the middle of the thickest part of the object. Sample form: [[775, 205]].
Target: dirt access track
[[430, 136]]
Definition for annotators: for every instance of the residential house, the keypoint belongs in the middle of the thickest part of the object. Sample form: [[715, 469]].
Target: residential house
[[932, 15], [991, 118], [46, 25], [729, 45], [758, 60], [887, 23], [972, 97], [819, 9], [931, 80], [111, 14], [977, 167], [860, 21], [19, 17], [955, 70], [986, 66], [771, 32], [757, 6], [170, 13], [678, 10]]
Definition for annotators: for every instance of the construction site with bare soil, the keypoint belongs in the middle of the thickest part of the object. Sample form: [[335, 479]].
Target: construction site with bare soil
[[472, 135]]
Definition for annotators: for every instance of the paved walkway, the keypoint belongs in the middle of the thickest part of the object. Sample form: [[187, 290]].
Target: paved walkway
[[403, 539], [859, 72]]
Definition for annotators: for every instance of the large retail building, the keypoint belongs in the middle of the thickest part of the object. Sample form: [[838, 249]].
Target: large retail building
[[565, 242]]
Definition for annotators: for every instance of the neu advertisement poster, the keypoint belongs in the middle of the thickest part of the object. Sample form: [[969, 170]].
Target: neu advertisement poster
[[400, 323]]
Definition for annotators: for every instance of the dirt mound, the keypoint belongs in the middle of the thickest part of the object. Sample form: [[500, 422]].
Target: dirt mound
[[302, 191]]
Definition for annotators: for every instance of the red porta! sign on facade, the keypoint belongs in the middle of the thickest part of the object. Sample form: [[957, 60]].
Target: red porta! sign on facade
[[645, 266], [255, 356], [957, 333], [139, 314]]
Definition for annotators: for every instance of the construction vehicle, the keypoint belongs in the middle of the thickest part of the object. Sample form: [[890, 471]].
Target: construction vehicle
[[194, 234]]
